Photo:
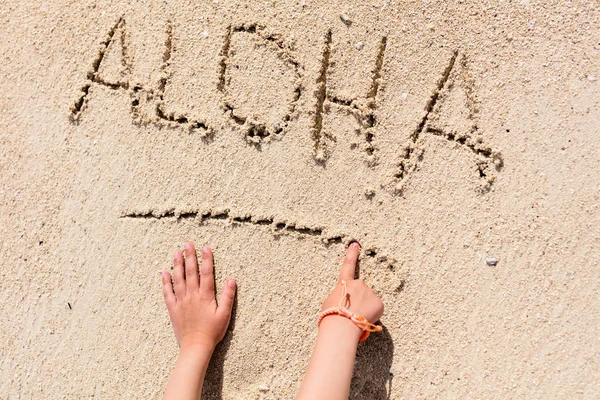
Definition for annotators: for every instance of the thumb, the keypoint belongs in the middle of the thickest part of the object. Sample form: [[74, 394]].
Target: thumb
[[227, 298]]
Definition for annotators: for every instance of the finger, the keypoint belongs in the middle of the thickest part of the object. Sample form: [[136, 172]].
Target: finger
[[178, 275], [349, 265], [167, 286], [226, 299], [191, 267], [207, 280]]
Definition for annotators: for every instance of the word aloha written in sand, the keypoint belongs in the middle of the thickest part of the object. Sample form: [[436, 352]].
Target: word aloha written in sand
[[150, 105]]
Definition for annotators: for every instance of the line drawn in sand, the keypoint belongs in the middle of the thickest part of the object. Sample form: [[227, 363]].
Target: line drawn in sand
[[380, 264]]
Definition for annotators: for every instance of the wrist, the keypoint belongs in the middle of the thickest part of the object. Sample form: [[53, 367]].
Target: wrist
[[197, 349], [340, 326]]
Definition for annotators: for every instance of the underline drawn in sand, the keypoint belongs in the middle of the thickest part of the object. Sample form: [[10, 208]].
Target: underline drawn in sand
[[148, 105], [224, 217]]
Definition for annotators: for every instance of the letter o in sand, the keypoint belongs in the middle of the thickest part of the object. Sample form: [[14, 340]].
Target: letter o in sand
[[261, 84]]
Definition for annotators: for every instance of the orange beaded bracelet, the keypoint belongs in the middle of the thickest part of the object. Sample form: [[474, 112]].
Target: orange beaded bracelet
[[359, 320]]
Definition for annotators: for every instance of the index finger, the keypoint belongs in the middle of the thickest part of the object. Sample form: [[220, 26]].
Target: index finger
[[349, 265]]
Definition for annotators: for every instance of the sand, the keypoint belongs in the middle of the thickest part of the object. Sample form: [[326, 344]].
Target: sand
[[438, 135]]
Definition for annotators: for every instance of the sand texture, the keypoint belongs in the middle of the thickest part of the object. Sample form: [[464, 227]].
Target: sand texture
[[440, 135]]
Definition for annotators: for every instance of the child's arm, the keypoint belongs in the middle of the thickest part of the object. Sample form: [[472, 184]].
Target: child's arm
[[198, 322], [330, 368]]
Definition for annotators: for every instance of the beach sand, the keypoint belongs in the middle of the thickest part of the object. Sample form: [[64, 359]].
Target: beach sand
[[457, 142]]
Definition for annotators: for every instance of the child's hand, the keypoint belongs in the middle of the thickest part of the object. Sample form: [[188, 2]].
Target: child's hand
[[196, 318], [330, 368], [361, 298]]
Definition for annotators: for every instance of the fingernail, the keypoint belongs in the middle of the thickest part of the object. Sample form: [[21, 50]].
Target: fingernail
[[164, 274], [187, 246], [354, 244], [176, 255], [206, 249], [231, 283]]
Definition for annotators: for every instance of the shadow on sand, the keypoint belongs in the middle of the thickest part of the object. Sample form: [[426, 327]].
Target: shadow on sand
[[372, 378]]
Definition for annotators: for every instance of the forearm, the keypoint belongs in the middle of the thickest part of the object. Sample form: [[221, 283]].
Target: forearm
[[330, 368], [188, 375]]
